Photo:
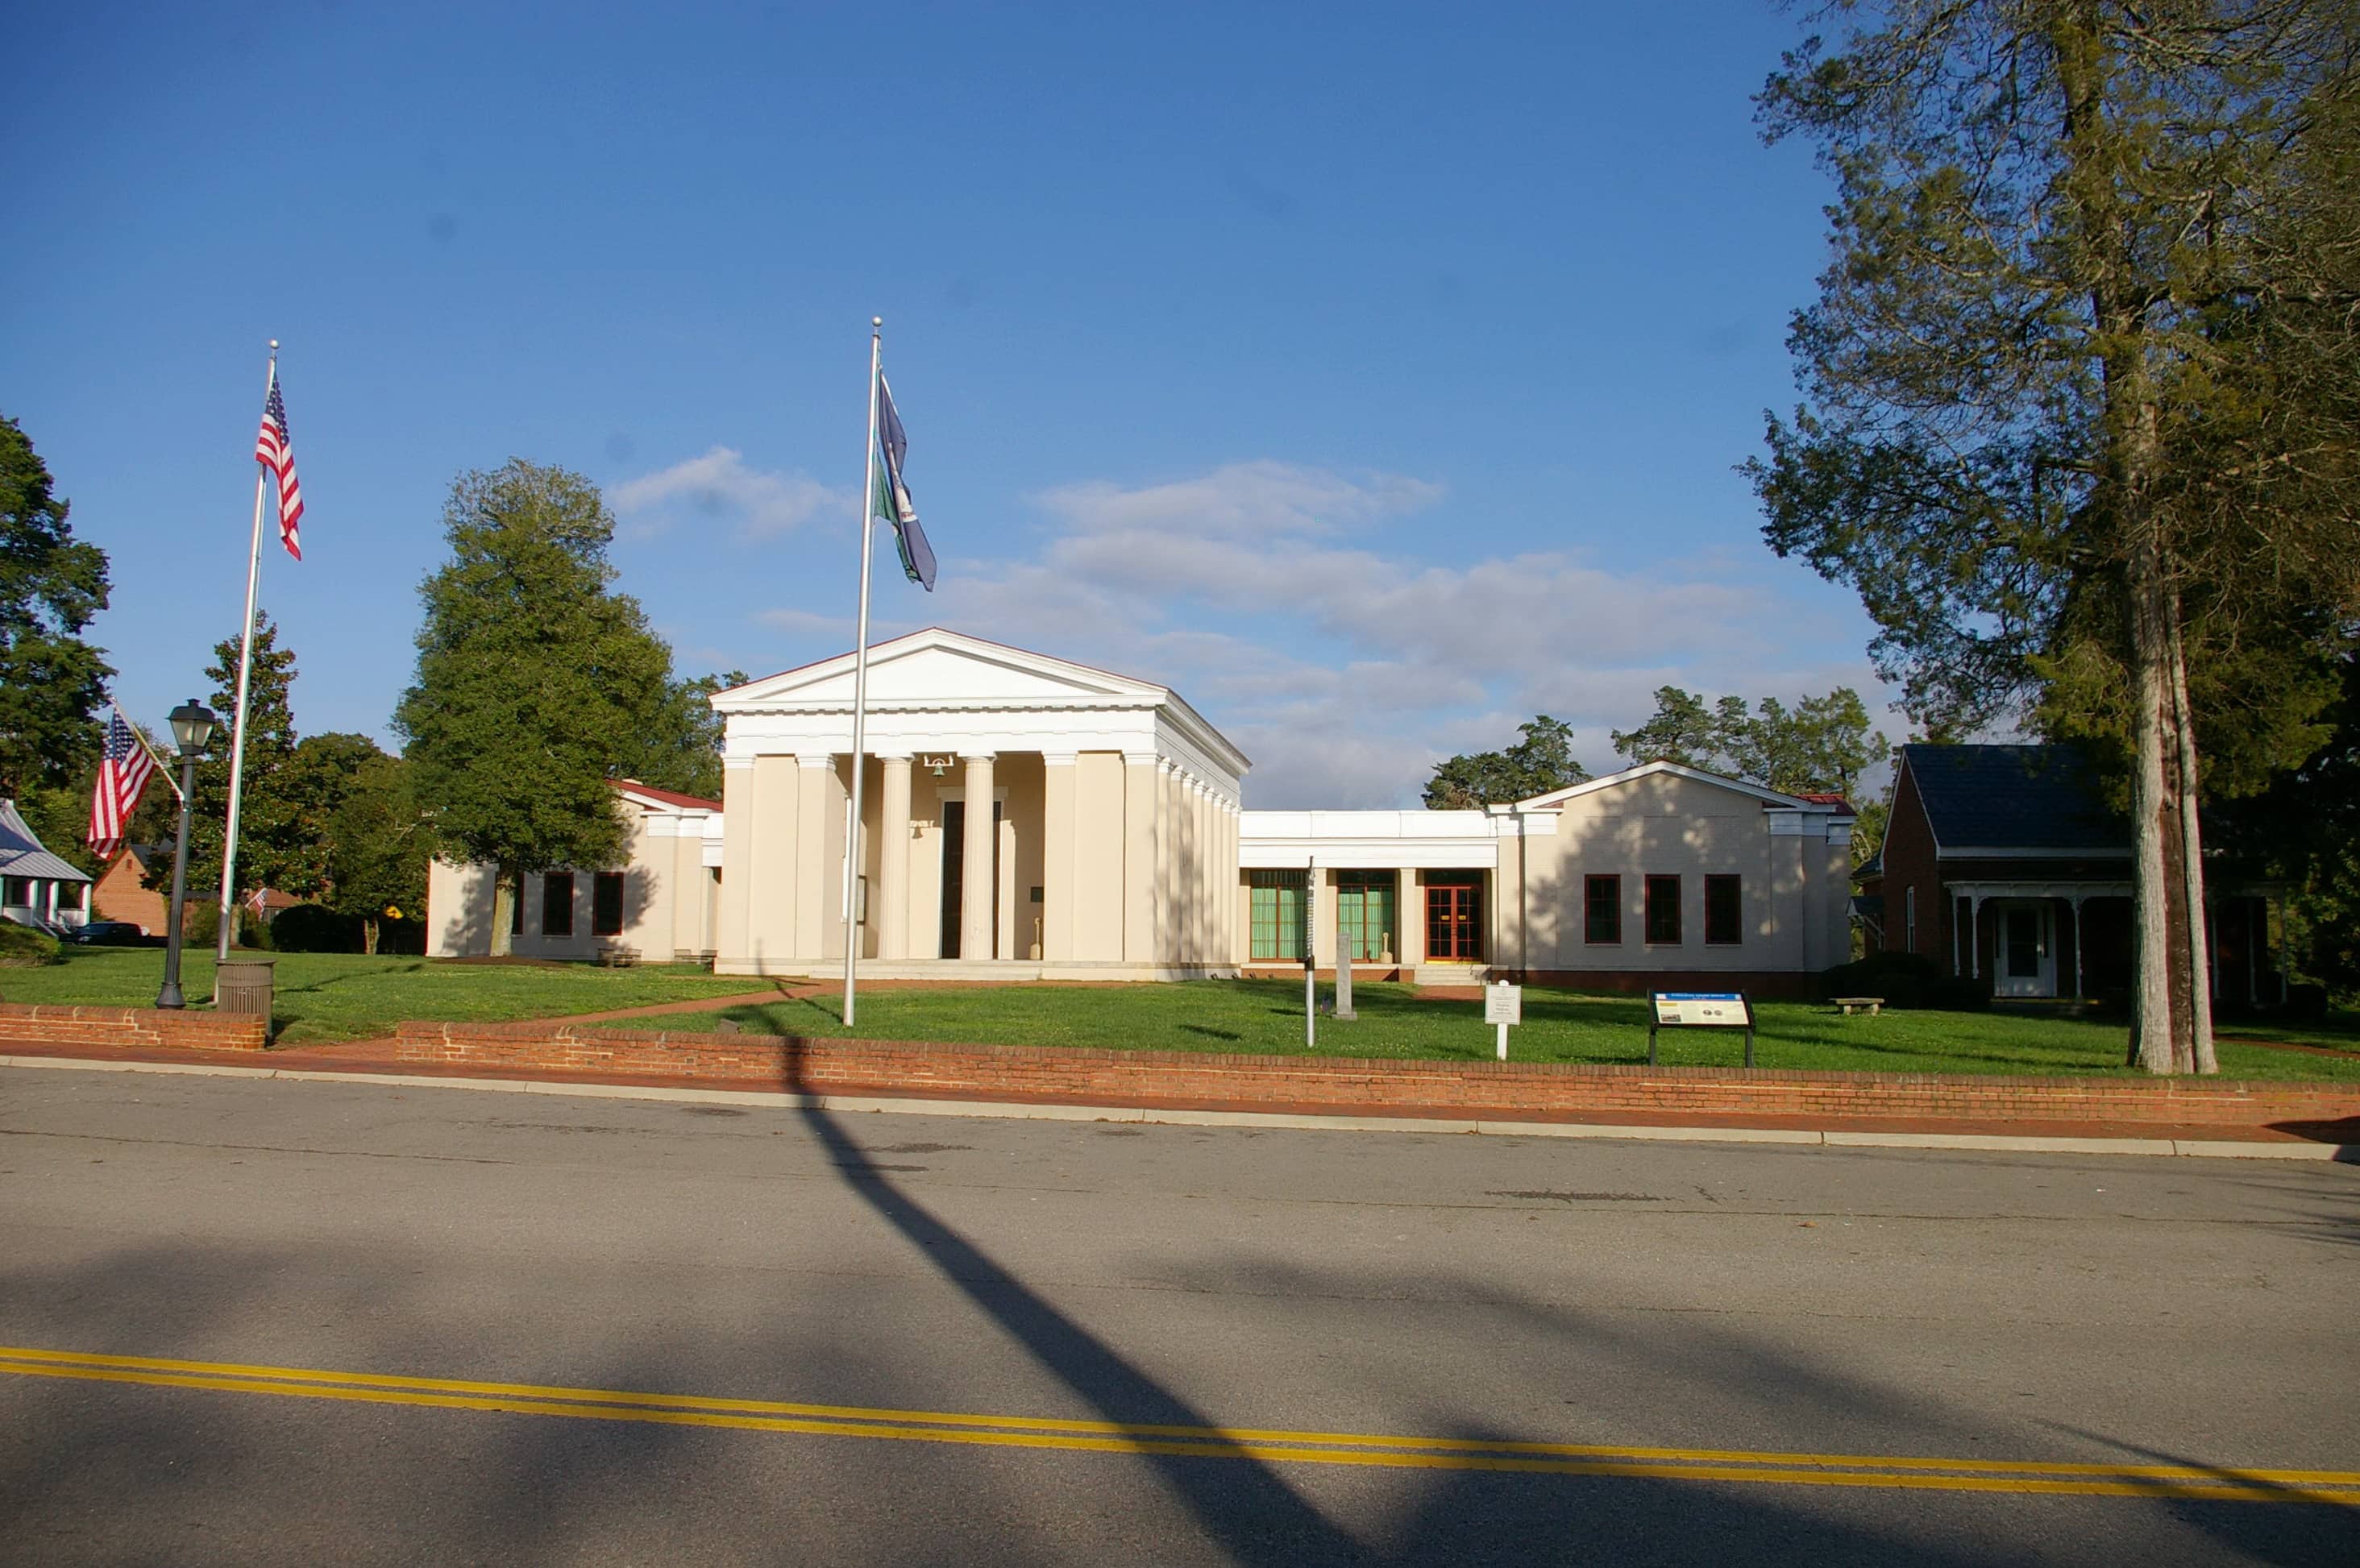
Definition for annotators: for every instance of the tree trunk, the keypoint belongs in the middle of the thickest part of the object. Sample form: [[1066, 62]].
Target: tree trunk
[[369, 936], [2191, 858], [2155, 815], [2173, 1023], [507, 886]]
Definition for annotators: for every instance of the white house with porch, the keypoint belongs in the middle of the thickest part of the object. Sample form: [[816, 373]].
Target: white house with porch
[[37, 888]]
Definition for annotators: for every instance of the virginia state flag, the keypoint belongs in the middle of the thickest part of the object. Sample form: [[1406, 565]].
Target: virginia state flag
[[893, 501]]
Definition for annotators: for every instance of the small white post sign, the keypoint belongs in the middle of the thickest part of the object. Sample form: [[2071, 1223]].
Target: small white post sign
[[1504, 1005]]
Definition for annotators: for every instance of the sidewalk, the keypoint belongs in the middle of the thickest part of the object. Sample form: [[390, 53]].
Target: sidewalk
[[375, 1061]]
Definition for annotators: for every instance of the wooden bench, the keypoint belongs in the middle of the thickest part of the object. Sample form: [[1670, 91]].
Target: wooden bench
[[1850, 1005]]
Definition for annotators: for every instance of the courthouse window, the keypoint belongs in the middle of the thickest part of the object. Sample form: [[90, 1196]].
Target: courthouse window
[[1602, 898], [1725, 911], [1277, 914], [606, 904], [557, 904], [1664, 910]]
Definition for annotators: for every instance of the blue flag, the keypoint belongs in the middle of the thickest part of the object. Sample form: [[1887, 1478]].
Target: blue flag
[[893, 501]]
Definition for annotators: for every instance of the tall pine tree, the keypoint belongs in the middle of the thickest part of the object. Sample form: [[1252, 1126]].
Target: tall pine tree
[[2039, 428]]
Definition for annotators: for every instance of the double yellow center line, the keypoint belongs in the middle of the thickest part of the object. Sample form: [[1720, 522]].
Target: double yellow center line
[[1369, 1449]]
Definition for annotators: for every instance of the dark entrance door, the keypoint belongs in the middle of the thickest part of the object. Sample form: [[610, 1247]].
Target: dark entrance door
[[955, 872]]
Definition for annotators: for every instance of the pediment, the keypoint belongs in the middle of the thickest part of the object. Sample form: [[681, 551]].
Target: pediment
[[939, 667]]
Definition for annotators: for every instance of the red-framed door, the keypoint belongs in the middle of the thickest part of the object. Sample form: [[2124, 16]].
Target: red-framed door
[[1454, 922]]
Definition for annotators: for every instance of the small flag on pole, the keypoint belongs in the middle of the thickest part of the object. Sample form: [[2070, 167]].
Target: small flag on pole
[[123, 774], [275, 450], [893, 501]]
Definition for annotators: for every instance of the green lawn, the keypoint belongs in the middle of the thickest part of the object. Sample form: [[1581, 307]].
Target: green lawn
[[331, 997], [1559, 1026], [326, 996]]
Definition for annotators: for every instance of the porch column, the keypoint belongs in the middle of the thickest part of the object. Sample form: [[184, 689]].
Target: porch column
[[889, 906], [1059, 774], [2077, 947], [1975, 937], [978, 877]]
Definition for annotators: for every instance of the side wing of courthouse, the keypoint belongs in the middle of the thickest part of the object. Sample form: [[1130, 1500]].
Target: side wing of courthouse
[[1029, 818]]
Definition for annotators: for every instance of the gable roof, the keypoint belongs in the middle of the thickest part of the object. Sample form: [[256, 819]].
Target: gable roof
[[1771, 799], [1979, 799], [22, 853], [650, 794], [938, 670], [938, 664]]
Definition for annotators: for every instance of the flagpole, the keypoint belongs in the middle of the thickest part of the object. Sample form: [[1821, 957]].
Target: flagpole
[[245, 677], [860, 682]]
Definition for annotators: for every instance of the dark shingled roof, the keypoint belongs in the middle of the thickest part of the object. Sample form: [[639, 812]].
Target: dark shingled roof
[[2014, 796]]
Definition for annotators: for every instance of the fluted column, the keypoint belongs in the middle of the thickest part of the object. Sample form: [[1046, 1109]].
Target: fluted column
[[978, 874], [888, 906]]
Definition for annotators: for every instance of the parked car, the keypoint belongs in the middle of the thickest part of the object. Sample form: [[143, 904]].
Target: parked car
[[110, 934]]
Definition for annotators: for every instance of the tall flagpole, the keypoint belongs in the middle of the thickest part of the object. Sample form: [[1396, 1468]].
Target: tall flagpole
[[859, 680], [245, 677]]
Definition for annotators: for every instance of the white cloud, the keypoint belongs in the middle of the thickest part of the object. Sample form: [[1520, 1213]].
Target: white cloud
[[1243, 500], [1266, 593], [719, 485]]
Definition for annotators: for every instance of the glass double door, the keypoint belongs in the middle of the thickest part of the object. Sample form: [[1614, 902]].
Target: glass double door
[[1365, 913]]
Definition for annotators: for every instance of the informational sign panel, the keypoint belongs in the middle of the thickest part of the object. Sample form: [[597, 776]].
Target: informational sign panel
[[1699, 1009], [1503, 1004], [1690, 1009]]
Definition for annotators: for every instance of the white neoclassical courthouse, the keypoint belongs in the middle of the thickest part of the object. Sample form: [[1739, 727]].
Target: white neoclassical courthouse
[[1116, 846]]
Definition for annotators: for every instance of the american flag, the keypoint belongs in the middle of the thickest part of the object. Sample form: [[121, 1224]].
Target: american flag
[[122, 773], [275, 450]]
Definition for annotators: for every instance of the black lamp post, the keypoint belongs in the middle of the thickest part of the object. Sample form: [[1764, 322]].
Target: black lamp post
[[192, 726]]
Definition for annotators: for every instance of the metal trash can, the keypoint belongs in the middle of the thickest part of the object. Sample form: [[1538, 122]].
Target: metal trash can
[[243, 986]]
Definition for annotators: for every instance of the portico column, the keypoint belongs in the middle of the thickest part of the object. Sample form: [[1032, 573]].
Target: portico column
[[889, 910], [1139, 901], [814, 866], [2077, 947], [977, 875], [1167, 860], [1059, 775]]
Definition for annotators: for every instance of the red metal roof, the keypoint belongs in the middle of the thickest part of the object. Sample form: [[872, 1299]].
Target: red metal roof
[[669, 797]]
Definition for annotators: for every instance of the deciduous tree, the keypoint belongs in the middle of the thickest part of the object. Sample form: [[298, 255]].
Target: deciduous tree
[[52, 682], [537, 683]]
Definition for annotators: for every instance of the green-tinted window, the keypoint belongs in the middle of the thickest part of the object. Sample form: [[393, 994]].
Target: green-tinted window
[[1278, 932], [1365, 904]]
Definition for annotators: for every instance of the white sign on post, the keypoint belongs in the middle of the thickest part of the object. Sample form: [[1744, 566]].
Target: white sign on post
[[1504, 1005]]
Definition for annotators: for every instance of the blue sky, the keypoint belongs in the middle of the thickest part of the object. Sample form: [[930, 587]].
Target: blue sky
[[1374, 375]]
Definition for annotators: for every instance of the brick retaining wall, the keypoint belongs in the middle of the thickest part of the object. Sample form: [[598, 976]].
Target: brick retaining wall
[[1186, 1078], [132, 1029]]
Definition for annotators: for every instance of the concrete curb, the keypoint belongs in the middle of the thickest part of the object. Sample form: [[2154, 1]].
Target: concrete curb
[[2213, 1148]]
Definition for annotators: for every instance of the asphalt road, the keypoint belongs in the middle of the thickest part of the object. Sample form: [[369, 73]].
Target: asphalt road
[[656, 1333]]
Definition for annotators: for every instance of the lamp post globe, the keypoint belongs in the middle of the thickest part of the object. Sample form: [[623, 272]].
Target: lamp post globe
[[192, 726]]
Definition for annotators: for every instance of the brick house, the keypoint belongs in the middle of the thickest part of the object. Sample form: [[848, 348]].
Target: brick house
[[2005, 862]]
